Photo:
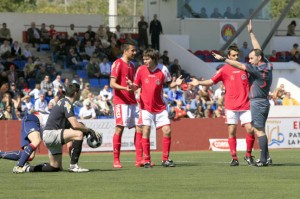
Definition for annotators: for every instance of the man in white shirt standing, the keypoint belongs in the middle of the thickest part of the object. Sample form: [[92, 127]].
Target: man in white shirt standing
[[105, 68]]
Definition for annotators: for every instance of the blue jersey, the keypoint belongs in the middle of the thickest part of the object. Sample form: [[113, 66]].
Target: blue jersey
[[30, 123], [260, 79]]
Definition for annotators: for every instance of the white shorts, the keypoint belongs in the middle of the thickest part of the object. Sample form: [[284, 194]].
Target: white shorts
[[53, 140], [126, 115], [160, 119], [233, 117]]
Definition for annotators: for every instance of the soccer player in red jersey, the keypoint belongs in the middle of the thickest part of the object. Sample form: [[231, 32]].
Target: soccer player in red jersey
[[150, 77], [237, 104], [125, 104]]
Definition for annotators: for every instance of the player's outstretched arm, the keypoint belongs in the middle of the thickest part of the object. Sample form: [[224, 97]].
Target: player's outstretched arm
[[196, 82], [233, 63], [254, 41]]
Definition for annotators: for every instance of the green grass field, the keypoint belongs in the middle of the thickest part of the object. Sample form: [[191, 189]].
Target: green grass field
[[197, 175]]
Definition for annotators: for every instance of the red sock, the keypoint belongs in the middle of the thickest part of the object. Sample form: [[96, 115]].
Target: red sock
[[116, 146], [232, 147], [166, 144], [250, 142], [146, 149], [138, 146]]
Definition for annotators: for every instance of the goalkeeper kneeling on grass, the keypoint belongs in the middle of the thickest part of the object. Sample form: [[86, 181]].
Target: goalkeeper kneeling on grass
[[62, 127]]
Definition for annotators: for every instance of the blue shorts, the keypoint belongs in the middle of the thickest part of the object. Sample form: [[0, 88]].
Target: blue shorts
[[30, 123], [259, 111]]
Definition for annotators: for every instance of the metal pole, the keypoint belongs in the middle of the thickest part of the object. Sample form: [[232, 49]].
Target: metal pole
[[278, 22], [241, 28]]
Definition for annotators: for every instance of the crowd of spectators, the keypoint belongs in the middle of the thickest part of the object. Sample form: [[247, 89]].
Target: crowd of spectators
[[32, 83]]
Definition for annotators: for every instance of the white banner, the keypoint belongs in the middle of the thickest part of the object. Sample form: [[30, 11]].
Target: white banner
[[283, 132], [227, 30], [222, 144], [107, 128]]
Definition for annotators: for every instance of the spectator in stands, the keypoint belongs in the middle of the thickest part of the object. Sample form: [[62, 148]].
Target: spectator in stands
[[104, 108], [289, 101], [105, 68], [101, 32], [245, 51], [109, 33], [34, 34], [89, 49], [175, 68], [203, 13], [5, 49], [219, 92], [93, 70], [5, 34], [90, 32], [179, 110], [87, 112], [155, 30], [8, 101], [40, 104], [56, 83], [174, 94], [291, 28], [106, 95], [204, 94], [29, 69], [284, 57], [294, 49], [199, 113], [36, 92], [45, 34], [12, 74], [238, 14], [273, 57], [71, 31], [52, 30], [26, 104], [189, 94], [228, 14], [271, 99], [8, 113], [279, 94], [165, 58], [216, 14], [73, 60], [189, 111], [26, 52], [16, 50], [118, 32], [296, 57], [13, 91], [142, 32], [85, 91], [46, 84]]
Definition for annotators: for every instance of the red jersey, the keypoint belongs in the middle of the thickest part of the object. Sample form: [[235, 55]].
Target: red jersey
[[120, 70], [236, 87], [151, 83]]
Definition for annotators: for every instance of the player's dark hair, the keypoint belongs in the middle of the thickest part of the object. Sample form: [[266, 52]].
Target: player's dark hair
[[126, 45], [152, 53], [232, 48], [71, 90], [258, 52]]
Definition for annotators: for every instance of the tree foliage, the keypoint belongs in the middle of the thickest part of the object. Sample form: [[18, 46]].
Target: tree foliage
[[277, 6]]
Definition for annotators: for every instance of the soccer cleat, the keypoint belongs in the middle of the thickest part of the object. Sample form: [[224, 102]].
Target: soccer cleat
[[147, 165], [269, 161], [234, 163], [18, 169], [142, 162], [117, 165], [168, 163], [76, 169], [250, 160], [258, 163]]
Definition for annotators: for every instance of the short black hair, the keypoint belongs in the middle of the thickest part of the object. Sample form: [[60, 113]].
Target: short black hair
[[71, 90], [258, 52], [232, 48], [126, 45]]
